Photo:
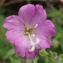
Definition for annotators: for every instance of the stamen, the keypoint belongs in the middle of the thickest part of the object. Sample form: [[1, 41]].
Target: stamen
[[36, 25], [37, 42], [33, 44], [27, 28], [33, 35], [30, 38]]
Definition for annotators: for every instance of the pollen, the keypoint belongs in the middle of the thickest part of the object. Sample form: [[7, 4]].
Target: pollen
[[28, 30]]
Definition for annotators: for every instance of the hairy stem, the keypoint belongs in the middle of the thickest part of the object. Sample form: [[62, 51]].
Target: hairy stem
[[28, 60]]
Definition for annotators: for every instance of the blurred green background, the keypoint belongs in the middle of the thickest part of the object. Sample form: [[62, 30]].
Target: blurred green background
[[54, 9]]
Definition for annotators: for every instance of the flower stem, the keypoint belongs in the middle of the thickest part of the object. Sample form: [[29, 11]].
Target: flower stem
[[28, 60], [23, 60]]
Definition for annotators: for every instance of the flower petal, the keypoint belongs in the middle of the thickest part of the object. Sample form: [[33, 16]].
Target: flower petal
[[31, 55], [39, 15], [46, 28], [12, 35], [44, 42], [26, 12], [13, 23], [22, 45]]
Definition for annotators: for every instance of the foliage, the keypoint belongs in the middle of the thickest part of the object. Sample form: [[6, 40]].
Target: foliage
[[53, 55]]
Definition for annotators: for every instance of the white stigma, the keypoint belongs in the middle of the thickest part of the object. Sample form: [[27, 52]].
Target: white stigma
[[32, 49], [33, 44]]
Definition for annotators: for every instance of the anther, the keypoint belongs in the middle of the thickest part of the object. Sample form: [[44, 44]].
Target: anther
[[36, 26]]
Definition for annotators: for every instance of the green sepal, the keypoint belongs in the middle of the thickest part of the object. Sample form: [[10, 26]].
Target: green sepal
[[43, 52]]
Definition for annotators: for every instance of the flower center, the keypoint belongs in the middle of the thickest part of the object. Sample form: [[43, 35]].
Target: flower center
[[29, 32], [29, 29]]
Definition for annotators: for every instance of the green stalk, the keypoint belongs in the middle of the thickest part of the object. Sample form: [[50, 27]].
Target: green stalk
[[28, 60]]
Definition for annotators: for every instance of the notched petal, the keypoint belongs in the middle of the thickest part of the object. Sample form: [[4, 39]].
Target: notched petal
[[13, 22], [26, 12]]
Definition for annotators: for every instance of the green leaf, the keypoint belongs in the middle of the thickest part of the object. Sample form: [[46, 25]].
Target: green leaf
[[15, 60], [61, 55], [35, 60], [43, 52], [9, 53], [2, 10], [55, 43], [1, 19]]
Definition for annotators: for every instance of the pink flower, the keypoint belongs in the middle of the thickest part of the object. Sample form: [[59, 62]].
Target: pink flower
[[29, 31]]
